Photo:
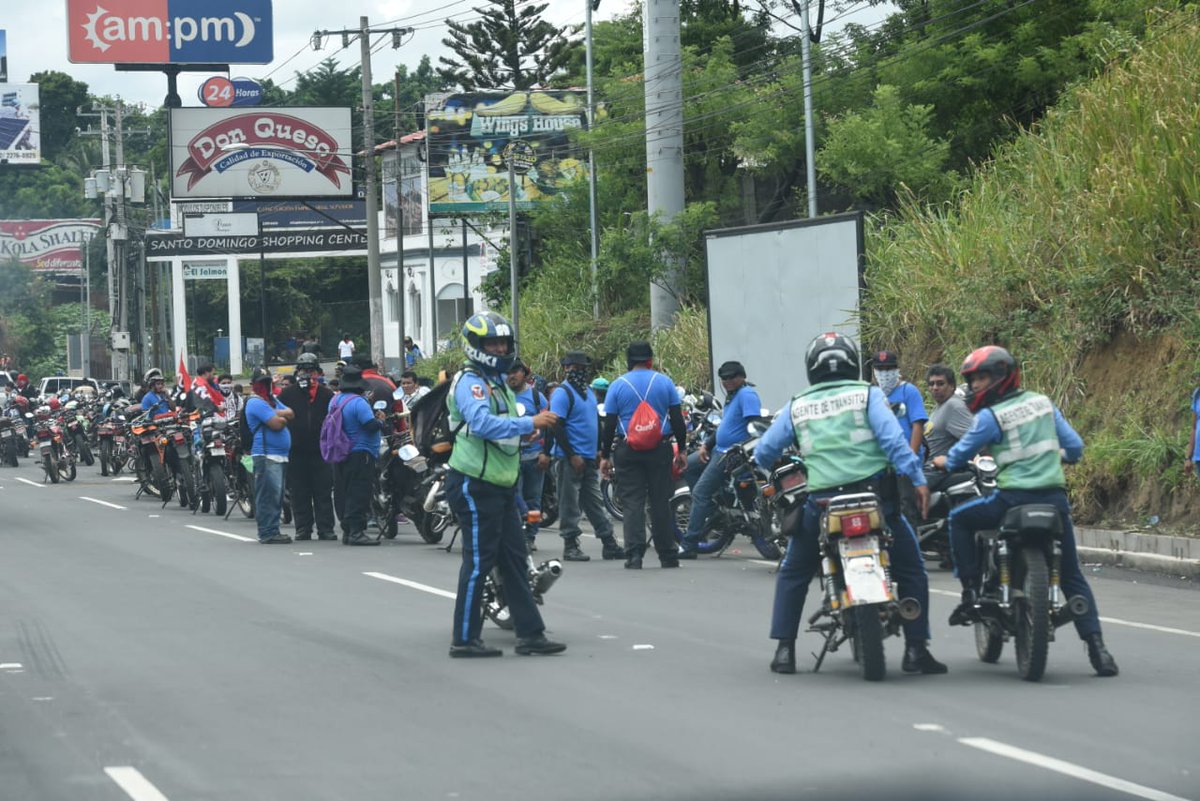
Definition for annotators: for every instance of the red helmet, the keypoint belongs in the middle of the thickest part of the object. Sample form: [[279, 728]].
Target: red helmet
[[22, 380], [998, 363], [22, 401], [54, 403]]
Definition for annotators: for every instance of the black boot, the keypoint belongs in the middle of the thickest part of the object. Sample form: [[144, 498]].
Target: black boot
[[573, 553], [1100, 658], [917, 659], [964, 613], [785, 657], [612, 550]]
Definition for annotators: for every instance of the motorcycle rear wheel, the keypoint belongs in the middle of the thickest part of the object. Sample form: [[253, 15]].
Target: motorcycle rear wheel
[[161, 479], [494, 606], [85, 450], [432, 526], [66, 469], [50, 468], [11, 456], [549, 504], [105, 456], [220, 492], [1033, 616], [608, 491], [989, 640], [868, 642]]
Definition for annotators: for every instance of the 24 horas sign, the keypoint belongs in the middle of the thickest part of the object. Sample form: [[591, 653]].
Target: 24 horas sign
[[274, 153], [169, 32]]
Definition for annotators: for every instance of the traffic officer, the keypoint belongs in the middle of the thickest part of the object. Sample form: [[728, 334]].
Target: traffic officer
[[481, 488], [1024, 432], [845, 430]]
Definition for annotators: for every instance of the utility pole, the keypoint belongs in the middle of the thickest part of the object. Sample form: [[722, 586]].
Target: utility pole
[[374, 284], [399, 229], [591, 121], [810, 166], [121, 235], [664, 140], [514, 255]]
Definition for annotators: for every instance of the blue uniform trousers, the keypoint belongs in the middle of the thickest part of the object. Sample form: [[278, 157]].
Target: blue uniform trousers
[[803, 560], [987, 513], [491, 537]]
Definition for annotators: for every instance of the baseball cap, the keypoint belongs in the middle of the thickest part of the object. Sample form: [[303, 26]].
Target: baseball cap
[[886, 359]]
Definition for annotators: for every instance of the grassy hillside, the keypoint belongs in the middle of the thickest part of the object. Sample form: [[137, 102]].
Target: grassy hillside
[[1077, 247]]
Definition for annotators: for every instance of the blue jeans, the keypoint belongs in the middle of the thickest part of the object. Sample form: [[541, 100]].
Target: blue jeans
[[268, 496], [705, 480], [988, 512], [529, 491], [803, 559]]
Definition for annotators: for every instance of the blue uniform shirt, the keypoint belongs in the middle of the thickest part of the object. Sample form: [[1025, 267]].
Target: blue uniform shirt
[[155, 404], [625, 393], [356, 413], [471, 396], [277, 443], [986, 431], [914, 408], [734, 422], [1196, 410], [533, 402], [782, 435], [583, 421]]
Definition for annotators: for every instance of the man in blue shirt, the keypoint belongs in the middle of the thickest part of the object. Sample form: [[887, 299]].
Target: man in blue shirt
[[848, 435], [412, 353], [909, 408], [644, 473], [271, 442], [704, 473], [532, 476], [156, 401], [576, 472], [1189, 464], [354, 477]]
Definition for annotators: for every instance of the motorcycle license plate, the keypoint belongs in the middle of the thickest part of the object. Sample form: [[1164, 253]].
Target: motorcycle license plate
[[866, 581], [217, 450]]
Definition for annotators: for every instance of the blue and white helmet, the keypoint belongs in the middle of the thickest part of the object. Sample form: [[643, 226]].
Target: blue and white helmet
[[486, 326]]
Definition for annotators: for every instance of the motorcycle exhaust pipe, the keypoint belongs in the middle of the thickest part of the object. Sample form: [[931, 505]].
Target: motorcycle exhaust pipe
[[546, 574], [431, 498], [909, 609], [1075, 608]]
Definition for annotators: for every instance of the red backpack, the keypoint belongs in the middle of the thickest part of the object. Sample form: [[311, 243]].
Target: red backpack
[[644, 432]]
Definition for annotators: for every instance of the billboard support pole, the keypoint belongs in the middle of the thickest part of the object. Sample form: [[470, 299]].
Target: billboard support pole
[[374, 284], [399, 228], [513, 251], [467, 310]]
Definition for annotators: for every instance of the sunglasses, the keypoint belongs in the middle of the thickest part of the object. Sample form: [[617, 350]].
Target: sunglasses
[[939, 383]]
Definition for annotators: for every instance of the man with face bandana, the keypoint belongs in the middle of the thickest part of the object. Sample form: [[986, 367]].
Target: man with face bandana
[[310, 477], [909, 408], [577, 472]]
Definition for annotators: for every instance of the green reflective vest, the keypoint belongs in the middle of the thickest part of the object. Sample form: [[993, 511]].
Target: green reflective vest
[[496, 462], [834, 435], [1027, 455]]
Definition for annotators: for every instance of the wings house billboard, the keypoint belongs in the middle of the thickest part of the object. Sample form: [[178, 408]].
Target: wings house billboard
[[169, 32], [272, 153], [472, 137]]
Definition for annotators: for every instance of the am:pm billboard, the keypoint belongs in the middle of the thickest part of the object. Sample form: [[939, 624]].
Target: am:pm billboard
[[262, 153]]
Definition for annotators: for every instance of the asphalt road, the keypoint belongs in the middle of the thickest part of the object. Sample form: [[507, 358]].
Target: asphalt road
[[147, 653]]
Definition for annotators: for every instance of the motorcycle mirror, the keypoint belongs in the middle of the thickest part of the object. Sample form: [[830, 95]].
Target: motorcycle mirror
[[28, 415], [408, 452], [380, 406]]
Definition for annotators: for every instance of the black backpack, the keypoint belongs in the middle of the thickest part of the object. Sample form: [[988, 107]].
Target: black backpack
[[429, 417], [244, 433]]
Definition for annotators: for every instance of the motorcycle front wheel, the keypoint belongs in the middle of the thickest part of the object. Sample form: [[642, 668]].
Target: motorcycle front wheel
[[50, 468], [989, 641], [1033, 616], [66, 468], [494, 606], [712, 539], [867, 642], [549, 504], [608, 491], [85, 450], [432, 526]]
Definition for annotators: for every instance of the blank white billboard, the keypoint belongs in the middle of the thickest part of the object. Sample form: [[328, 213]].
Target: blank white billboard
[[772, 288], [266, 152]]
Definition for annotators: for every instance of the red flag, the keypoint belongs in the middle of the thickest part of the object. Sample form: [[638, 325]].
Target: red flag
[[185, 380]]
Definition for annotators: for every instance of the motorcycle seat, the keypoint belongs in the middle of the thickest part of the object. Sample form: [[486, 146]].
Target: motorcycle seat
[[1032, 518]]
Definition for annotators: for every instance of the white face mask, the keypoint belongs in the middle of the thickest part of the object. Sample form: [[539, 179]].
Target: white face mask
[[226, 389], [887, 380]]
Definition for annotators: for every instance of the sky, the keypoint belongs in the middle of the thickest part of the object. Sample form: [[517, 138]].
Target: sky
[[37, 40]]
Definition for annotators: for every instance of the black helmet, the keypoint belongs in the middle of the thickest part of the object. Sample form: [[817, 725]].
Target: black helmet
[[830, 357], [307, 361], [1001, 366], [489, 325], [260, 374], [730, 370]]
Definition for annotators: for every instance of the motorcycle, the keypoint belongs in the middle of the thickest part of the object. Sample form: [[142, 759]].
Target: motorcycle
[[209, 464], [175, 447], [1020, 596], [8, 441], [57, 460], [541, 578], [785, 496], [146, 453], [859, 597], [740, 505], [110, 435], [76, 423], [948, 491]]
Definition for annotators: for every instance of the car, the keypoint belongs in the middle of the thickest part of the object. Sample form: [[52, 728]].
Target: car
[[54, 384]]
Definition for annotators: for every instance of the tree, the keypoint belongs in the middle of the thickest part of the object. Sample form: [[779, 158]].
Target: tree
[[509, 48], [59, 95]]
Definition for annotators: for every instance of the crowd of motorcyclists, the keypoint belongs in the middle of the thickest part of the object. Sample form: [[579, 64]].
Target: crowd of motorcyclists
[[492, 449]]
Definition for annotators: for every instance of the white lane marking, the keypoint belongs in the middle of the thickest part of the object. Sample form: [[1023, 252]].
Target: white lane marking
[[1067, 769], [1116, 621], [30, 483], [762, 562], [1150, 626], [412, 584], [643, 647], [10, 665], [929, 727], [125, 478], [102, 503], [222, 533], [135, 785], [304, 553], [152, 516], [601, 636]]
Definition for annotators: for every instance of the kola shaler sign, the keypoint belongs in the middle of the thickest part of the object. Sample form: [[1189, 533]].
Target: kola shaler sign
[[269, 153]]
